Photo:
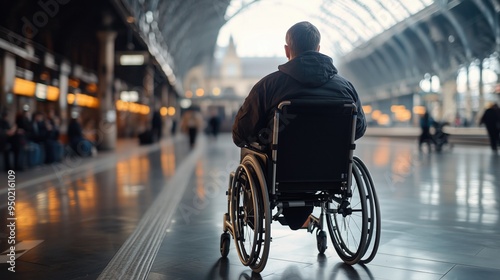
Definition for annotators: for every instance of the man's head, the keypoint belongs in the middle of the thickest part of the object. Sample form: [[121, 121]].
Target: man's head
[[301, 37]]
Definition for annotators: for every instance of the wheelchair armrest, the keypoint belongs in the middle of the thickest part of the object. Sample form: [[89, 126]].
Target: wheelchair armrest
[[258, 150], [257, 147]]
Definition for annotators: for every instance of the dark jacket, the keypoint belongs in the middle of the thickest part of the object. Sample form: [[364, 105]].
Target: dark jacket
[[491, 119], [310, 75], [4, 138], [39, 132], [54, 133], [75, 133]]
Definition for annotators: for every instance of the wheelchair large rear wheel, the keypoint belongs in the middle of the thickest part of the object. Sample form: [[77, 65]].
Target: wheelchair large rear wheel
[[347, 220], [374, 220], [250, 215], [264, 233]]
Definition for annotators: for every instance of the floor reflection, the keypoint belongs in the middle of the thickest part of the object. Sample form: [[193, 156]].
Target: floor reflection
[[458, 186], [440, 216], [220, 270], [88, 215], [168, 160], [340, 271]]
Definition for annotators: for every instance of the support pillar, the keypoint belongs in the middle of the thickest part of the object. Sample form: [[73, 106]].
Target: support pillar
[[481, 91], [497, 87], [164, 95], [175, 119], [7, 75], [148, 97], [449, 92], [468, 97], [63, 93], [106, 119], [164, 103]]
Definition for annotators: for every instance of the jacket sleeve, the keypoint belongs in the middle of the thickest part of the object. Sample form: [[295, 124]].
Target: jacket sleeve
[[482, 120], [246, 125], [361, 119]]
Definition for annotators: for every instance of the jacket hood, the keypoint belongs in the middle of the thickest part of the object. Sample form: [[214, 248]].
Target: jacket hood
[[311, 68]]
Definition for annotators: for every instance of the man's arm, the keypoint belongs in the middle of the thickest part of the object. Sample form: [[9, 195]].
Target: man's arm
[[481, 121], [247, 122], [361, 119]]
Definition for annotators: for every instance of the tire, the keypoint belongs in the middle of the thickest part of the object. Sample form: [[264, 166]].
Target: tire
[[347, 220], [225, 239], [321, 241], [264, 235], [374, 218], [245, 214], [250, 214]]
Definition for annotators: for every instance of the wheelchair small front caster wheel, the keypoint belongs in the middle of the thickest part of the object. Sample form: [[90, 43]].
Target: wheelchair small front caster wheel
[[321, 241], [225, 239]]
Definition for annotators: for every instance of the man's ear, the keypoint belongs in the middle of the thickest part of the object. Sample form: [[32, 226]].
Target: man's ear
[[318, 48], [287, 52]]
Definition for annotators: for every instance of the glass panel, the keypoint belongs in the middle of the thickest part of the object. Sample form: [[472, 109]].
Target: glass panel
[[336, 40], [352, 21], [379, 12], [364, 19], [369, 24], [346, 23], [414, 6], [395, 9]]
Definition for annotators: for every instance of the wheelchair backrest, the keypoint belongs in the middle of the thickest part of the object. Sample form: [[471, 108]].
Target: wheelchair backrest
[[313, 143]]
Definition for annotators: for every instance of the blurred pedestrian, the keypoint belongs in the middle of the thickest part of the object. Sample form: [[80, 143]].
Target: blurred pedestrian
[[39, 129], [214, 123], [191, 124], [21, 137], [53, 124], [426, 122], [38, 140], [77, 141], [6, 136], [156, 125], [173, 129], [54, 147], [491, 119]]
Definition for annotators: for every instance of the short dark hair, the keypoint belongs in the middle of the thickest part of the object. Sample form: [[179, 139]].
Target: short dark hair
[[302, 37]]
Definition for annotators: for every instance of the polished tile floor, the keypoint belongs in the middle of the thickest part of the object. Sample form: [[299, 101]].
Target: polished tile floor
[[157, 214]]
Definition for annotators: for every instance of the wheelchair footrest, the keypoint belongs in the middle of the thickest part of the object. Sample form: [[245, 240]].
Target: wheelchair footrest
[[314, 223]]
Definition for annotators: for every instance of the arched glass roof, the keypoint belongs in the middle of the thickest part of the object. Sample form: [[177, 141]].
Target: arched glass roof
[[382, 34], [358, 21], [345, 24]]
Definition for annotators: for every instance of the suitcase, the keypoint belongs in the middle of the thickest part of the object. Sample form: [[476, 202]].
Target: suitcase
[[34, 154]]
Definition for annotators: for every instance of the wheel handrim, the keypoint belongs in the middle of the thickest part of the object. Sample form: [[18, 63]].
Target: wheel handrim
[[347, 223], [245, 221]]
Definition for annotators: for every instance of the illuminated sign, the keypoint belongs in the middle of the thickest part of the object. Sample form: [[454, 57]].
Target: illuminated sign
[[24, 87], [132, 59], [41, 91], [129, 96]]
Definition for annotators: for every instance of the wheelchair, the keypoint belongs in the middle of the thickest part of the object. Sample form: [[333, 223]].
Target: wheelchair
[[308, 163]]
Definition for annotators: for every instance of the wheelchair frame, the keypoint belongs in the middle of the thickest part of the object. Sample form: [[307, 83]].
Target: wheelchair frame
[[250, 203]]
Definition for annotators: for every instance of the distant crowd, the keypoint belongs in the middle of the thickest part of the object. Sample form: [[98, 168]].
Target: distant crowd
[[31, 141]]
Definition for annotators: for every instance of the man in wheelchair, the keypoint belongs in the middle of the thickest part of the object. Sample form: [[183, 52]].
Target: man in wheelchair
[[308, 75]]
